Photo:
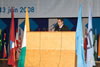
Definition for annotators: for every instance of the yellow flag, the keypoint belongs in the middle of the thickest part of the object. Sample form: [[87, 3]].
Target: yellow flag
[[27, 21]]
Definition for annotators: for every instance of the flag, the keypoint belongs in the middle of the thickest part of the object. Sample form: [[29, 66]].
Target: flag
[[90, 47], [4, 50], [0, 39], [23, 49], [85, 45], [79, 41], [27, 21], [16, 43], [19, 43], [11, 58], [99, 47], [95, 45]]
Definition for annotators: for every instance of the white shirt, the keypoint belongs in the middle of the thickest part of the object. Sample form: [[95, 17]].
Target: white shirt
[[61, 26]]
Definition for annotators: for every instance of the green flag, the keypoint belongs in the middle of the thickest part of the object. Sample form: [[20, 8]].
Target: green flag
[[21, 62], [0, 39], [95, 45]]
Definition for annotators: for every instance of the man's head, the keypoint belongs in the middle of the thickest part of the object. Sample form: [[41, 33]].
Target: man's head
[[60, 22]]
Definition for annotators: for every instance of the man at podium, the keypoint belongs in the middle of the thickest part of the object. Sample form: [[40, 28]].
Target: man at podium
[[60, 25]]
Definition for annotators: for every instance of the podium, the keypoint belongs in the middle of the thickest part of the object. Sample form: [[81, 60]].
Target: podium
[[50, 49]]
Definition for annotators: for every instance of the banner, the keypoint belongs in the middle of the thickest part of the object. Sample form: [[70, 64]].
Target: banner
[[19, 8], [48, 8]]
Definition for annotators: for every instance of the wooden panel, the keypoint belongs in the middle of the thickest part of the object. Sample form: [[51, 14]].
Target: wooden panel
[[32, 58], [33, 40], [50, 49], [67, 58], [68, 40], [50, 40], [68, 49], [50, 58], [50, 46]]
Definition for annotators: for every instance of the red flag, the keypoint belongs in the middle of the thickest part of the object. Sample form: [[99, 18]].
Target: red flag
[[4, 51], [19, 42], [85, 45], [11, 58], [16, 43]]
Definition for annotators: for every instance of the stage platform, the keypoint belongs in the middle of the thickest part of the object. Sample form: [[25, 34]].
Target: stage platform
[[3, 63]]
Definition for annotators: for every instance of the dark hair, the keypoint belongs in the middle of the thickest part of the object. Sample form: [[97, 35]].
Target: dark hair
[[60, 19]]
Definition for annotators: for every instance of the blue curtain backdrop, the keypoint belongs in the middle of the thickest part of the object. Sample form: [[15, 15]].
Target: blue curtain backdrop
[[36, 24], [7, 21]]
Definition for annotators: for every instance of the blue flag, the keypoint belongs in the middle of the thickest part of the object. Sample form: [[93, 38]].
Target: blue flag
[[90, 47], [79, 41]]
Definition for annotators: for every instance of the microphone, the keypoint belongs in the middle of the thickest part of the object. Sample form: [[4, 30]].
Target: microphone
[[52, 27]]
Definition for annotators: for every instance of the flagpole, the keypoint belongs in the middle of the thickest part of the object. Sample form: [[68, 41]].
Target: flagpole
[[14, 44]]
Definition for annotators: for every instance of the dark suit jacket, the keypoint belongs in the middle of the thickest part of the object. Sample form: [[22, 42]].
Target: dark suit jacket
[[64, 28]]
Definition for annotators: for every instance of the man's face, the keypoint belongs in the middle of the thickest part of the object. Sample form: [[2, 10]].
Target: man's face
[[59, 22]]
